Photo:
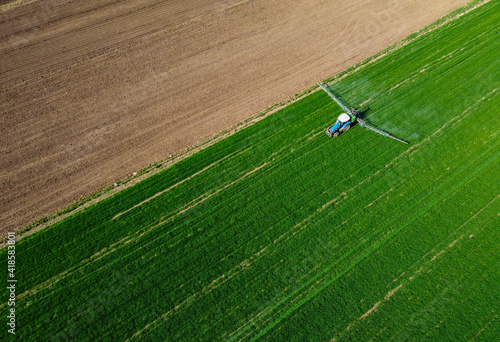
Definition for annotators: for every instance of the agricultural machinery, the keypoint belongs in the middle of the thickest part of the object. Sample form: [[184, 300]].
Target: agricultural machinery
[[349, 118]]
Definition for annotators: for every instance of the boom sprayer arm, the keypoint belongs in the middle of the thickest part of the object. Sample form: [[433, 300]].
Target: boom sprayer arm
[[387, 135], [322, 86], [354, 113]]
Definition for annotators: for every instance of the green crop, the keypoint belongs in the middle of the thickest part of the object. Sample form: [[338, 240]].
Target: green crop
[[278, 233]]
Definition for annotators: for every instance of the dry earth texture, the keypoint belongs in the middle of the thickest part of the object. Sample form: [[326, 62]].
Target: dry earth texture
[[91, 91]]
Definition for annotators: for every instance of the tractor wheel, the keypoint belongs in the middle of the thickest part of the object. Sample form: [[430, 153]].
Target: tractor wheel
[[346, 128], [336, 134]]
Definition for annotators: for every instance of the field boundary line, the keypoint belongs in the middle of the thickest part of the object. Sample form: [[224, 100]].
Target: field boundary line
[[168, 162], [15, 3]]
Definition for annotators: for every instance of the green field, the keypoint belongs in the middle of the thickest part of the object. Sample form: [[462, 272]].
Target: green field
[[279, 233]]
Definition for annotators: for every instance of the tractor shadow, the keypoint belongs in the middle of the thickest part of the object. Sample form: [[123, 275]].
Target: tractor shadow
[[362, 115]]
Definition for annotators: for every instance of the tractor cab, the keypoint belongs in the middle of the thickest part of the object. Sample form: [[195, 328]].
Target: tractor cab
[[343, 123]]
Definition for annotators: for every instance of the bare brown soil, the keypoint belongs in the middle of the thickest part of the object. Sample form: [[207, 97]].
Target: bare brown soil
[[91, 91]]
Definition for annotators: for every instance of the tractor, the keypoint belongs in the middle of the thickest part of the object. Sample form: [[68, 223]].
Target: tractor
[[344, 122]]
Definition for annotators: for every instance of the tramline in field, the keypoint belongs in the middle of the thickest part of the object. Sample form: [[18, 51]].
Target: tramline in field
[[346, 120]]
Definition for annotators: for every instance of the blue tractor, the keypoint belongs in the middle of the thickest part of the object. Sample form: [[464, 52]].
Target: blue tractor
[[344, 122]]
